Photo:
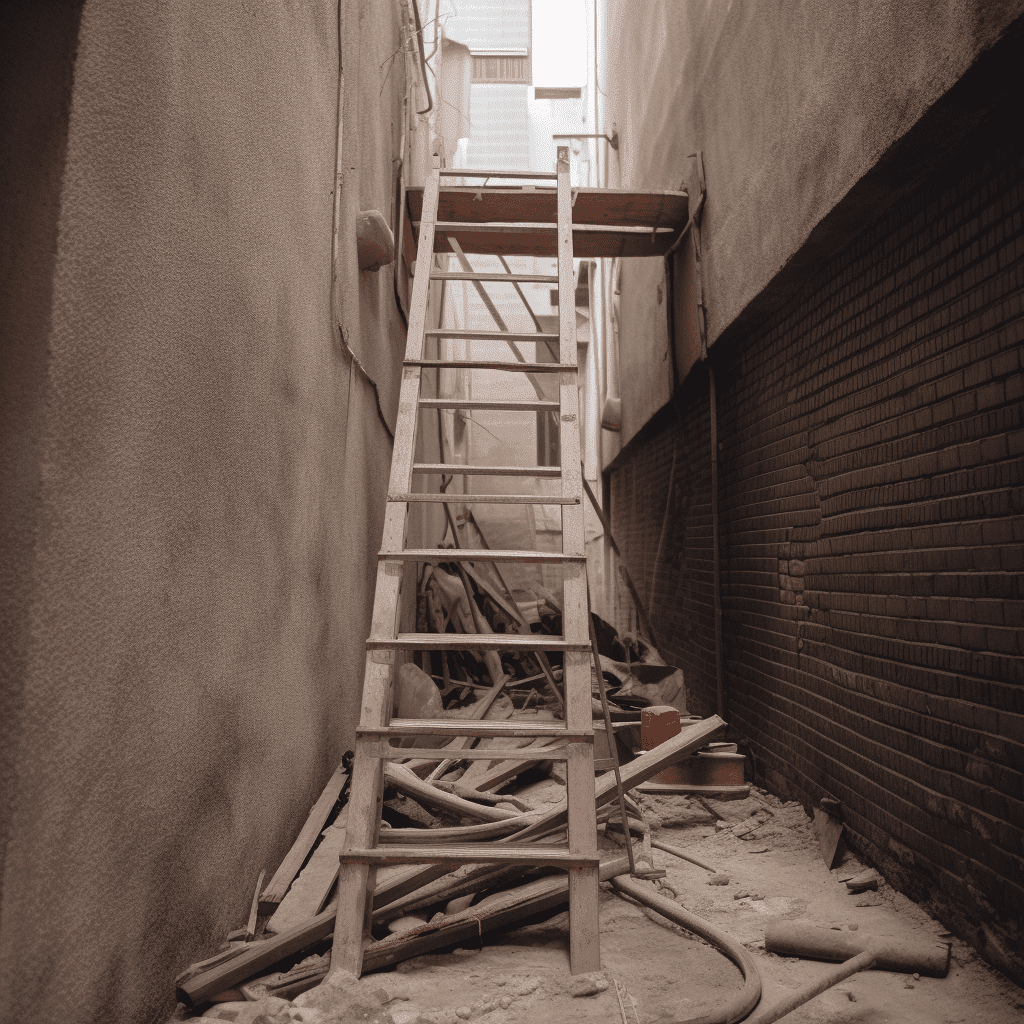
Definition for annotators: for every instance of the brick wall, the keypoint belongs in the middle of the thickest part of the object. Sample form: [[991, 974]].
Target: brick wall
[[872, 573]]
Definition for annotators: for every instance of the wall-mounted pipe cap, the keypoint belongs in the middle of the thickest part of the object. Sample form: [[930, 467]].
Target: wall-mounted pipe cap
[[374, 240]]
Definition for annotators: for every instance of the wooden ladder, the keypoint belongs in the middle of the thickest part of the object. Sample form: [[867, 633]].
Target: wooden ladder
[[362, 855]]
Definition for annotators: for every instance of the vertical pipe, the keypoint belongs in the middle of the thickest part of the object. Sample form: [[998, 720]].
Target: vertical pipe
[[597, 123], [719, 653]]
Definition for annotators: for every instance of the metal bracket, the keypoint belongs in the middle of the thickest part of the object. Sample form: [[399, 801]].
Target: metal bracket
[[698, 217], [613, 139]]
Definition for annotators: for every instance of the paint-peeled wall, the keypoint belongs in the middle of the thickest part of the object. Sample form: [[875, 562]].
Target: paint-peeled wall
[[194, 475], [791, 104]]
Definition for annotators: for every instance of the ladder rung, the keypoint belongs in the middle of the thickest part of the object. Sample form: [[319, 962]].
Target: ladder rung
[[470, 853], [486, 499], [465, 172], [457, 469], [469, 727], [452, 332], [473, 642], [437, 555], [438, 275], [492, 364], [381, 750], [500, 227], [497, 405]]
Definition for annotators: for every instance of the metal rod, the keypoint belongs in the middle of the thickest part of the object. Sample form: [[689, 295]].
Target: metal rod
[[627, 579], [613, 750], [861, 962], [719, 653], [613, 139], [423, 59]]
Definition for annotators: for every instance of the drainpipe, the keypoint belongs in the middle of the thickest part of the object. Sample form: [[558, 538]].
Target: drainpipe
[[719, 653]]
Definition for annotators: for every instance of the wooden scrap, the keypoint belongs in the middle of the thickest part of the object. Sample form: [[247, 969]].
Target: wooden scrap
[[496, 911], [308, 892], [643, 768], [498, 774], [438, 796], [474, 795], [261, 955], [829, 831], [235, 948], [250, 927], [469, 878], [296, 856]]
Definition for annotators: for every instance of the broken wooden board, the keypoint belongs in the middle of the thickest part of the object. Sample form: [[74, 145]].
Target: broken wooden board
[[309, 891], [406, 781], [646, 766], [488, 779], [250, 926], [296, 856]]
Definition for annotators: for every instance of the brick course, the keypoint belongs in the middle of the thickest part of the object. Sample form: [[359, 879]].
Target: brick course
[[872, 523]]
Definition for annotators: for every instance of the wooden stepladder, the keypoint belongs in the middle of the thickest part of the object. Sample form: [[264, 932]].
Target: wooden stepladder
[[363, 853]]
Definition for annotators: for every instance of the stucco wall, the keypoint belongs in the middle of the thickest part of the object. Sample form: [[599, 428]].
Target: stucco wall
[[194, 478], [792, 102]]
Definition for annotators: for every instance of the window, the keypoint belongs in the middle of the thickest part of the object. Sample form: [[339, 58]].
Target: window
[[502, 67]]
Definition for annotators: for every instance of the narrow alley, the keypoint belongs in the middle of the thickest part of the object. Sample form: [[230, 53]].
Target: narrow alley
[[512, 512]]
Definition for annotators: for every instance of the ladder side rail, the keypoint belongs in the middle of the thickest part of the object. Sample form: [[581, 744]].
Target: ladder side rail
[[357, 882], [584, 944]]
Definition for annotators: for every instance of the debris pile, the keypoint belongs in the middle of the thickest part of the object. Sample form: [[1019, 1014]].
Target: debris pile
[[284, 950]]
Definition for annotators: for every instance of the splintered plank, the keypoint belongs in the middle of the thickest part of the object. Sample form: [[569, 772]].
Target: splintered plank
[[309, 891], [296, 856]]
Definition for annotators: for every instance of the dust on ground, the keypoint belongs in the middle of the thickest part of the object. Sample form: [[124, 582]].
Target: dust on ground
[[664, 973]]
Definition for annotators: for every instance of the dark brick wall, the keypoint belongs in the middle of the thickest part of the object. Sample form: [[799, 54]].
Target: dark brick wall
[[871, 512]]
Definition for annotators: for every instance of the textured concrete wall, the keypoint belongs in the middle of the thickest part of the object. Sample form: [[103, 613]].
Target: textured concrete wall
[[791, 102], [193, 477], [872, 518]]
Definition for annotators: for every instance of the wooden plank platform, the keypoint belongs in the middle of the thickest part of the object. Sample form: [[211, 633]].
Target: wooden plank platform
[[610, 206], [662, 213]]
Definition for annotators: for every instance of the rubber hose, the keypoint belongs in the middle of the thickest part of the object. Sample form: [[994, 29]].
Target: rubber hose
[[748, 996], [676, 852]]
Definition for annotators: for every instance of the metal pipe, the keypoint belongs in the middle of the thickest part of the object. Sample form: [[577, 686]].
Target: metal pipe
[[676, 852], [627, 579], [862, 962], [613, 139], [610, 738], [423, 58], [715, 541]]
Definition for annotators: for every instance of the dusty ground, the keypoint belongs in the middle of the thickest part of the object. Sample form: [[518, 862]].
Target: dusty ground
[[523, 975]]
